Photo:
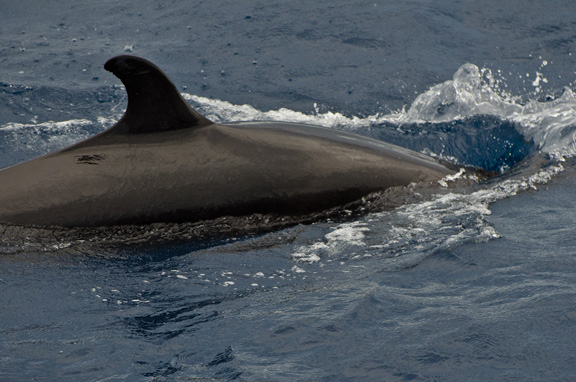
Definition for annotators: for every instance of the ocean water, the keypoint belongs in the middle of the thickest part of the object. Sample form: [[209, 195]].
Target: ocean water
[[473, 282]]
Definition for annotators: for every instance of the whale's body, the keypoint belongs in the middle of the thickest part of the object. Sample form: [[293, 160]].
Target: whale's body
[[163, 162]]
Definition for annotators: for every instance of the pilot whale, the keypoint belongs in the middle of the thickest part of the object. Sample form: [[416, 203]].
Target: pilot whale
[[164, 162]]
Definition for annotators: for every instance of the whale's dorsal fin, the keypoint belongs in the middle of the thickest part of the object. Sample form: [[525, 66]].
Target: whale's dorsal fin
[[154, 103]]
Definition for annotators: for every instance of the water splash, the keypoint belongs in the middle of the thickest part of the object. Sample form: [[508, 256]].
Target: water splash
[[550, 124]]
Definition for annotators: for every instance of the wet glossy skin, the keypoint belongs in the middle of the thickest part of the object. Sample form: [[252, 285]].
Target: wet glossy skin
[[165, 162]]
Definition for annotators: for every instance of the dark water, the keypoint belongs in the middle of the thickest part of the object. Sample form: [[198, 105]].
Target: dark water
[[471, 284]]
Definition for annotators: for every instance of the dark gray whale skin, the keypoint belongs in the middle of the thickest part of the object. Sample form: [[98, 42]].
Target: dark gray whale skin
[[164, 162]]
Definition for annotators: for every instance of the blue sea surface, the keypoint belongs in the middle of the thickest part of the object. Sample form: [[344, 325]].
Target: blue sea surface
[[471, 283]]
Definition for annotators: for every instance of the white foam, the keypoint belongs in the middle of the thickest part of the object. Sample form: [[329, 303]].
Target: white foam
[[50, 125], [462, 174], [222, 111], [343, 238]]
